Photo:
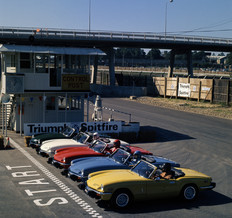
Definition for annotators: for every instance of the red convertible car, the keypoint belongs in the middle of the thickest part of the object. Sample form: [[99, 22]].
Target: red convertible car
[[101, 147]]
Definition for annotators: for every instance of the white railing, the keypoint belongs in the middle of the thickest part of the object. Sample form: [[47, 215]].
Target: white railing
[[45, 32]]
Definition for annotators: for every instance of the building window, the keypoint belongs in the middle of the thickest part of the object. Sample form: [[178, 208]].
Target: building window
[[50, 103], [55, 70], [61, 103], [75, 64], [13, 60], [41, 63], [25, 60], [74, 103]]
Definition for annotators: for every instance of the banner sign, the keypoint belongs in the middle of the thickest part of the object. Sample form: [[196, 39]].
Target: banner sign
[[100, 127], [75, 82], [184, 90]]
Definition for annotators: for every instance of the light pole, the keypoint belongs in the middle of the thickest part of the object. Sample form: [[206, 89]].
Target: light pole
[[89, 15], [166, 14]]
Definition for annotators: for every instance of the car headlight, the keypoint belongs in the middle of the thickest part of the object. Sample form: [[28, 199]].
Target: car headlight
[[82, 172], [89, 176], [102, 187], [64, 159]]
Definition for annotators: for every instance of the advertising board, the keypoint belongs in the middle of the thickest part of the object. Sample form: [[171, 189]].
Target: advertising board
[[184, 90], [100, 127]]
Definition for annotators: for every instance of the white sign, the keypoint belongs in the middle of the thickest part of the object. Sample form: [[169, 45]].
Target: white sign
[[184, 90], [204, 88], [11, 69], [101, 127]]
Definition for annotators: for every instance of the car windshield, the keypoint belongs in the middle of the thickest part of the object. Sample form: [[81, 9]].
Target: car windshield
[[68, 131], [99, 146], [81, 137], [144, 169], [120, 156]]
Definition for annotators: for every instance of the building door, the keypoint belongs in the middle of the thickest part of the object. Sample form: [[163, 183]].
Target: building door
[[55, 70]]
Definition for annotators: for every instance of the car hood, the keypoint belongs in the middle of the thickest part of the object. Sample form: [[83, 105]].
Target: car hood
[[59, 143], [92, 164], [73, 153], [109, 177]]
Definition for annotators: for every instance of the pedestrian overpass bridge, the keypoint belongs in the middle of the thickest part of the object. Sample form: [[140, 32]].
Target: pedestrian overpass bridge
[[103, 39], [107, 41]]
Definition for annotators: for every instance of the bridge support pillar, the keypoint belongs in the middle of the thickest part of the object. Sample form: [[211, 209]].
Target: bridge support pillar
[[111, 55], [172, 62], [190, 63], [94, 72]]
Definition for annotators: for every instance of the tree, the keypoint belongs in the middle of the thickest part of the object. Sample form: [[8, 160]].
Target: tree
[[130, 53], [166, 55], [201, 55], [229, 58], [154, 54]]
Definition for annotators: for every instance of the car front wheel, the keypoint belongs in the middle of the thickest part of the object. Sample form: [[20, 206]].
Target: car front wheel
[[189, 192], [121, 199]]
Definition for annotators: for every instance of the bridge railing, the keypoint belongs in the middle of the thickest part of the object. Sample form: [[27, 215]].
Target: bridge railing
[[45, 32]]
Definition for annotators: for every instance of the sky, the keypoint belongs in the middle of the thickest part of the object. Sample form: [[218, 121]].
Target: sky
[[211, 18]]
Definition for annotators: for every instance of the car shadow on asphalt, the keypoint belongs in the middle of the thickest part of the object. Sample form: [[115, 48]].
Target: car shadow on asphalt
[[210, 198], [156, 134], [7, 148]]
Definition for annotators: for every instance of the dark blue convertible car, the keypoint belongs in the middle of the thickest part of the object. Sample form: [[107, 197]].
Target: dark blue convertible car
[[120, 159]]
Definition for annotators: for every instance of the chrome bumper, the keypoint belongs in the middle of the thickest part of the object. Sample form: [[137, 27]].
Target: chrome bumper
[[211, 186], [93, 193], [59, 164], [74, 176], [43, 153]]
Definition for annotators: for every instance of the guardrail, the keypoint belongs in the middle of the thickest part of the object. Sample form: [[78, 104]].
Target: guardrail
[[113, 110], [45, 32]]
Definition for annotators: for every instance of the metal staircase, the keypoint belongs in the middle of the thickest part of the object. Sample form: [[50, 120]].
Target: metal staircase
[[5, 113]]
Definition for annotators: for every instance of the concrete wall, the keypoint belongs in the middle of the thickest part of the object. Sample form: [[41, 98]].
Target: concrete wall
[[118, 91]]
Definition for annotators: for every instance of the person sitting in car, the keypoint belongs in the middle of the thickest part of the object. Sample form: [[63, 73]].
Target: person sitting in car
[[95, 136], [116, 145], [135, 158], [167, 173]]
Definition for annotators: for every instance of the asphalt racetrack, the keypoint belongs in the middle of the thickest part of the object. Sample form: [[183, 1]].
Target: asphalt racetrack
[[30, 187]]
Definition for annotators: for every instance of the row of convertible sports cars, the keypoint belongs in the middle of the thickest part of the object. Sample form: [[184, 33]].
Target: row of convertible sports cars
[[112, 170]]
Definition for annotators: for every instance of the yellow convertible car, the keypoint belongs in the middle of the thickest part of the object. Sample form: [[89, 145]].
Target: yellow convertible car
[[145, 181]]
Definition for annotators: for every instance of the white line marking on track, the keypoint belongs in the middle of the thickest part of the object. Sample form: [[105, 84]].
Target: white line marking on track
[[61, 185]]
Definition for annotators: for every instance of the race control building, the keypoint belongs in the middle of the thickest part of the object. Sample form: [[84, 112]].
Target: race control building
[[42, 84]]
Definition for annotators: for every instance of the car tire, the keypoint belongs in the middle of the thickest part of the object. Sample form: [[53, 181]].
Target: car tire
[[189, 192], [121, 199]]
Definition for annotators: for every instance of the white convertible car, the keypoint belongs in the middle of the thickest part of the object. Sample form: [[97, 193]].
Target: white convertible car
[[49, 147]]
